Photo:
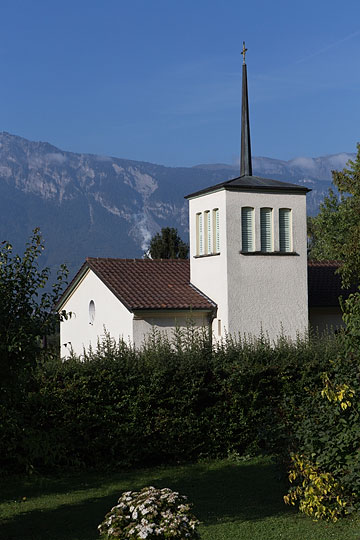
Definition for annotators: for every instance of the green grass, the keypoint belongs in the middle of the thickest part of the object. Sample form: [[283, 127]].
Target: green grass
[[233, 501]]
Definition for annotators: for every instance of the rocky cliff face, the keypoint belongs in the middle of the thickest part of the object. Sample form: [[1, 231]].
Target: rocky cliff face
[[88, 205]]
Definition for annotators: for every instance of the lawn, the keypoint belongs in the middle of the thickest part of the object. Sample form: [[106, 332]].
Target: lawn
[[234, 501]]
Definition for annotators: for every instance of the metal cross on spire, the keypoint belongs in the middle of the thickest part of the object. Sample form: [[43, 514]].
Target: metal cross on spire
[[243, 52]]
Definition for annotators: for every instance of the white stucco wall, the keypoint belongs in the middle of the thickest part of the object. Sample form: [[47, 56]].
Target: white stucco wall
[[268, 292], [165, 323], [209, 274], [77, 332], [253, 292]]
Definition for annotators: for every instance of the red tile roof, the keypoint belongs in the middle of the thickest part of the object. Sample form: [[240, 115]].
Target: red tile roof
[[165, 284], [150, 284], [324, 285]]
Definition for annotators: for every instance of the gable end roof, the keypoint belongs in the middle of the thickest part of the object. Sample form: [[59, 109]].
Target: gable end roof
[[146, 284]]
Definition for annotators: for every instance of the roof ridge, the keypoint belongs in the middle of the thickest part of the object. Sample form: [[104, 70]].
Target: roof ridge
[[311, 262], [118, 259]]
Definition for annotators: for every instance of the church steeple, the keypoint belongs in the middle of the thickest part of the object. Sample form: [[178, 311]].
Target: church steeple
[[245, 158]]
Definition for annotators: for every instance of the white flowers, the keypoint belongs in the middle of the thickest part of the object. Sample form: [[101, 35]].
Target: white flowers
[[150, 514]]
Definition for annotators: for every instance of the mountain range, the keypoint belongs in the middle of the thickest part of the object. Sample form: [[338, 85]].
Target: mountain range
[[100, 206]]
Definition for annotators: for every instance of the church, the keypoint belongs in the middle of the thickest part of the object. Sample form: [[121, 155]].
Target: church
[[247, 271]]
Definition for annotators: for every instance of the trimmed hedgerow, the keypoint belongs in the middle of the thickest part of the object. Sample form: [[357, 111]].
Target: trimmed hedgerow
[[166, 403]]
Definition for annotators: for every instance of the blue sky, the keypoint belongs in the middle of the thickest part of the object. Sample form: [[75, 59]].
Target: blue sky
[[160, 80]]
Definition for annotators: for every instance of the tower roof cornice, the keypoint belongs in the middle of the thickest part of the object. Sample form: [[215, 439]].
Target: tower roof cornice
[[254, 184]]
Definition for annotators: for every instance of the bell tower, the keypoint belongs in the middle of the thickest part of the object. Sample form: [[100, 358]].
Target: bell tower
[[248, 249]]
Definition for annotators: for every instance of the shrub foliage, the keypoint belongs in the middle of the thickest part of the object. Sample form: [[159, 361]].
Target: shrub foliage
[[325, 466], [27, 316]]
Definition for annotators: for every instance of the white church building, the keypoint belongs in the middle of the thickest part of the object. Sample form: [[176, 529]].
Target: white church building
[[247, 273]]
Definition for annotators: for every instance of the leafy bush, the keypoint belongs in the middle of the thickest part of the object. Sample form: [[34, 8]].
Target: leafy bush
[[320, 496], [326, 430], [152, 514], [27, 315]]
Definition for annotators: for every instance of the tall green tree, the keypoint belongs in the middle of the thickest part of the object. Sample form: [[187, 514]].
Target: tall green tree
[[168, 245], [26, 315], [335, 232]]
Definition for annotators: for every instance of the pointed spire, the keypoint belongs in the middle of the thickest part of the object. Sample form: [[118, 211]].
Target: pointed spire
[[245, 158]]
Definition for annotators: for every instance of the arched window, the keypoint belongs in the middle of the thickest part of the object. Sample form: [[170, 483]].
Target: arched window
[[285, 239], [247, 229], [266, 229], [91, 312]]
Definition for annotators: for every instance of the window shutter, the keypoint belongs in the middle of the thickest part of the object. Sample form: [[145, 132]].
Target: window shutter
[[266, 229], [201, 235], [247, 229], [217, 231], [208, 231], [284, 229]]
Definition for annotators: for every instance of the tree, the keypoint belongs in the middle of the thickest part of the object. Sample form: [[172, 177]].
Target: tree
[[25, 316], [168, 245], [335, 232]]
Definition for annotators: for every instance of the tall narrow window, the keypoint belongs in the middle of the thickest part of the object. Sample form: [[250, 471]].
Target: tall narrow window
[[285, 229], [266, 226], [91, 312], [247, 229], [216, 229], [199, 235], [207, 222]]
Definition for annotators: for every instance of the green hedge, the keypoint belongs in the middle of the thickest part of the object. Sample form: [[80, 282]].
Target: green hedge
[[167, 403]]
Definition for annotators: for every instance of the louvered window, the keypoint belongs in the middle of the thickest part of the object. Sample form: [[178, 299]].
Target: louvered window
[[208, 246], [266, 227], [247, 229], [285, 229], [199, 235], [216, 229]]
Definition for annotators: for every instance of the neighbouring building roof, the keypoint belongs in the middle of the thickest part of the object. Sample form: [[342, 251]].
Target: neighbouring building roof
[[142, 284], [251, 183], [324, 285]]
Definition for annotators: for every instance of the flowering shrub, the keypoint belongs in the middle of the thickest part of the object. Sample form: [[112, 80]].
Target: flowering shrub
[[150, 513]]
